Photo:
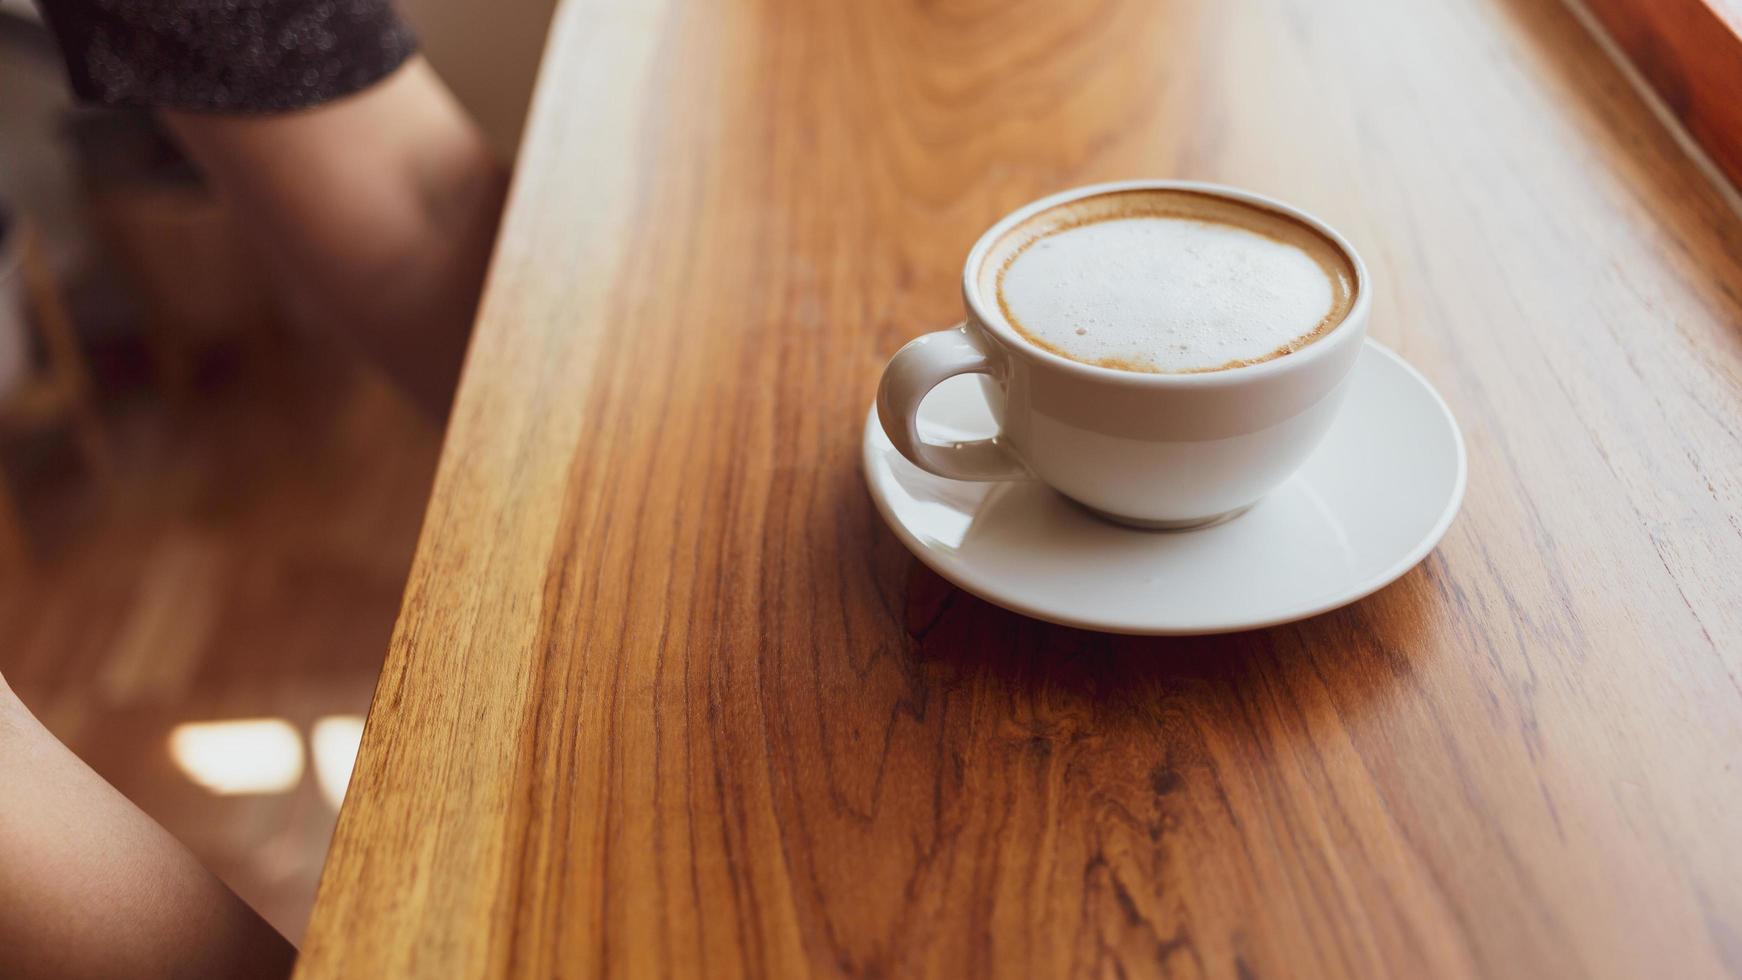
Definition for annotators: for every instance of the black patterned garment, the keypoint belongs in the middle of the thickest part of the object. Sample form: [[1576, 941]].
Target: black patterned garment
[[231, 56]]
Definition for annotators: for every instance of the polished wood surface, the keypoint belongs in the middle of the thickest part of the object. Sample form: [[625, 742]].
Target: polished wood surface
[[666, 699], [1691, 53]]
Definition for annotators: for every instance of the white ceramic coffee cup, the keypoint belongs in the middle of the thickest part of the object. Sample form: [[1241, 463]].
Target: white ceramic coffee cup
[[1155, 450]]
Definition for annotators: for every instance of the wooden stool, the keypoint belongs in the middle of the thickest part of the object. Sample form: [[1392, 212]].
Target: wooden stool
[[58, 395]]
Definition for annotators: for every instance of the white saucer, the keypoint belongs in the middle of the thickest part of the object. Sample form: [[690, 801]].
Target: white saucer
[[1369, 504]]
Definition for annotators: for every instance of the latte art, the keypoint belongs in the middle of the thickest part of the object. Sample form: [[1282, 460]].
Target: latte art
[[1170, 282]]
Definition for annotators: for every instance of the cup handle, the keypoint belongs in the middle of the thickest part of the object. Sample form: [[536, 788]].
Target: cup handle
[[910, 375]]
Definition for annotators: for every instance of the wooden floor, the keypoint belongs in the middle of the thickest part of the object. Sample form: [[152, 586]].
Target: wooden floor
[[246, 563]]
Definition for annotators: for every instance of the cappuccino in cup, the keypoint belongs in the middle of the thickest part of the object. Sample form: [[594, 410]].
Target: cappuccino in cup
[[1168, 282], [1164, 353]]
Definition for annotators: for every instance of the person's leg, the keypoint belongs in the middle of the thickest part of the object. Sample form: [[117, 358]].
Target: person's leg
[[378, 210], [92, 887]]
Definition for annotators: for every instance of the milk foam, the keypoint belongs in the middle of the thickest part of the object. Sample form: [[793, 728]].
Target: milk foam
[[1165, 293]]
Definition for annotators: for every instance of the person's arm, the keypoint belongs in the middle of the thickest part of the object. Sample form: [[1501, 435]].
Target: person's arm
[[92, 887], [377, 210]]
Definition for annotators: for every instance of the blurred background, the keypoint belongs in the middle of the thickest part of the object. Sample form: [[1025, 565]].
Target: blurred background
[[206, 518]]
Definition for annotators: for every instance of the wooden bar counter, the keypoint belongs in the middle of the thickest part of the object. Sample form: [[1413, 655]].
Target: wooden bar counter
[[666, 698]]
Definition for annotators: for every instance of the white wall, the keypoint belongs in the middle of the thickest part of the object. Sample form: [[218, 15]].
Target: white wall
[[20, 8]]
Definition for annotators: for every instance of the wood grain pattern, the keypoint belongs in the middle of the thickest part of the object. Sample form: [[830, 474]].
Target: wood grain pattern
[[1691, 53], [664, 698]]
